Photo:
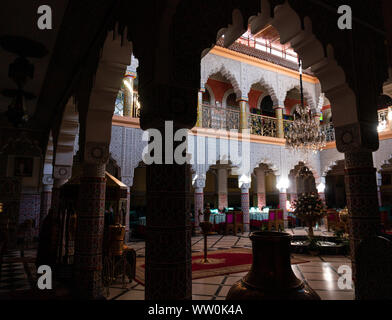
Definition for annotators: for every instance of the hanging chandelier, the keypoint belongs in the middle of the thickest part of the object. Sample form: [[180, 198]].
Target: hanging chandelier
[[304, 133]]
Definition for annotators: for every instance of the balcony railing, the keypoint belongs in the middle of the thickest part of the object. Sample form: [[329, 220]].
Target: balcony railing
[[229, 119], [263, 125], [220, 118], [329, 131]]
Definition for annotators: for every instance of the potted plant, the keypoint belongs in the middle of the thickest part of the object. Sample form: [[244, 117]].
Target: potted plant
[[310, 209]]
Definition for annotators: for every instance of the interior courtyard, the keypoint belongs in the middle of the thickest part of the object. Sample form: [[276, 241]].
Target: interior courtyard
[[195, 152]]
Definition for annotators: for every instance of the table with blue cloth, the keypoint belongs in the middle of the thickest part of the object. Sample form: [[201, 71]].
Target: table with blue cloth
[[257, 217], [217, 219]]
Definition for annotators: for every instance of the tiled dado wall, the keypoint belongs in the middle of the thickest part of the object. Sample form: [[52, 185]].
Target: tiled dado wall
[[30, 209]]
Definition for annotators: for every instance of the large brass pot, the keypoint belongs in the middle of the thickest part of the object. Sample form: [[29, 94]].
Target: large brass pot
[[116, 239], [271, 276]]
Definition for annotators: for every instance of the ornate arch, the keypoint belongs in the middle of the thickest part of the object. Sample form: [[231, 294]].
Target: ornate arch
[[212, 64], [261, 98], [115, 58], [69, 128], [211, 92], [225, 96], [322, 62], [265, 78]]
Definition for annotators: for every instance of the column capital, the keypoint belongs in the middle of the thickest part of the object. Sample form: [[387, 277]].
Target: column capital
[[245, 187], [96, 153], [47, 180], [62, 172], [199, 184]]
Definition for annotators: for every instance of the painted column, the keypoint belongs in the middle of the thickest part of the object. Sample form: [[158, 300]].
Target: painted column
[[282, 205], [130, 76], [244, 113], [245, 206], [46, 198], [128, 207], [222, 188], [128, 96], [199, 205], [293, 188], [90, 227], [362, 203], [199, 186], [199, 122], [279, 122], [260, 187], [379, 184], [61, 174]]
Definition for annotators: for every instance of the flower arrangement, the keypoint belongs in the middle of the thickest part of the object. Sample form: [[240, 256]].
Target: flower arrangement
[[310, 209]]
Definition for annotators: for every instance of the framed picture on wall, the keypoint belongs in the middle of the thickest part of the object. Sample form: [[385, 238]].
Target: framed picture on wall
[[23, 167]]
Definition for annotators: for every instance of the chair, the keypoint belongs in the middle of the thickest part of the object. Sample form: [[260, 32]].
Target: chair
[[384, 220], [271, 219], [238, 222], [332, 219], [229, 224], [279, 220]]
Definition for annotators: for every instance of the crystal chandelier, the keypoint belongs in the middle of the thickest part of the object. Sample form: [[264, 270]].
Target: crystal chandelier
[[304, 133]]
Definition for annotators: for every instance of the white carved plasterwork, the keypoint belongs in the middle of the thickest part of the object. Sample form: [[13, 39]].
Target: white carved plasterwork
[[329, 158], [265, 77], [231, 69], [242, 76], [383, 155], [290, 159], [265, 154], [126, 148]]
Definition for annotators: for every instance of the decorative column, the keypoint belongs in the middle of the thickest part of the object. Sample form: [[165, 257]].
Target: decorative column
[[168, 243], [128, 207], [282, 185], [293, 188], [282, 205], [379, 184], [61, 174], [199, 122], [128, 96], [279, 122], [244, 113], [245, 205], [90, 222], [362, 202], [199, 186], [130, 77], [222, 188], [260, 187], [46, 197]]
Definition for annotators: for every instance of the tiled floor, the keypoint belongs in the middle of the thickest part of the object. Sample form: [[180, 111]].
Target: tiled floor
[[14, 276], [321, 272]]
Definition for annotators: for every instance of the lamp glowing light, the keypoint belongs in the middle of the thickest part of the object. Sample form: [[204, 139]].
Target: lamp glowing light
[[390, 114], [283, 184], [321, 188]]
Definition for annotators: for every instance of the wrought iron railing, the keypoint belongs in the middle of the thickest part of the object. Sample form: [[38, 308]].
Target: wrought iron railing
[[263, 126], [286, 127], [229, 118], [329, 131], [220, 118]]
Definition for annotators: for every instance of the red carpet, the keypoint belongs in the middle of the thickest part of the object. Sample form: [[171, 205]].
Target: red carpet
[[222, 262]]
